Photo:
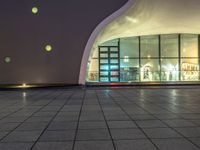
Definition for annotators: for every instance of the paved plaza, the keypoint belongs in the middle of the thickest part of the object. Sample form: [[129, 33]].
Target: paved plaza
[[100, 119]]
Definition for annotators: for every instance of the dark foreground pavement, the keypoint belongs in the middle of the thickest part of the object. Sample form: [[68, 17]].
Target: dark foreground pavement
[[100, 119]]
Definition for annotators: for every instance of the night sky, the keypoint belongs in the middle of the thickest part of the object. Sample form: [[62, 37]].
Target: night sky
[[64, 24]]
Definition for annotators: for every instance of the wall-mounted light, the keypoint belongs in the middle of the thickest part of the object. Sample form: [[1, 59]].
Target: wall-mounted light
[[48, 48], [35, 10], [7, 59], [24, 85]]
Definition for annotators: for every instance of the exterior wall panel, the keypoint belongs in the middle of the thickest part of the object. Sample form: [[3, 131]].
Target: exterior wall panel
[[65, 24]]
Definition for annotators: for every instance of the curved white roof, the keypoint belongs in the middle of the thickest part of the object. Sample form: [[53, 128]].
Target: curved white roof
[[147, 17], [144, 17]]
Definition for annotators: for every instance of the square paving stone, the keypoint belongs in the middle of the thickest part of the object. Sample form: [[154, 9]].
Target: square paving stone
[[134, 145], [189, 131], [62, 126], [127, 134], [26, 126], [166, 116], [14, 119], [161, 133], [174, 144], [196, 141], [65, 119], [45, 114], [97, 134], [15, 146], [39, 119], [8, 126], [121, 124], [117, 117], [142, 117], [91, 117], [93, 145], [22, 136], [179, 123], [68, 114], [196, 122], [92, 125], [151, 124], [53, 146], [51, 108], [58, 136], [2, 134]]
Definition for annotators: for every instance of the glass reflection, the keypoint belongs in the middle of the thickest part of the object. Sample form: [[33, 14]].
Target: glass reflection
[[150, 70], [149, 46], [169, 45], [189, 70], [129, 70], [129, 47], [189, 45], [169, 70]]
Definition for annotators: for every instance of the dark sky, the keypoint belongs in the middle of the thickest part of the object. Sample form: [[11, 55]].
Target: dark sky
[[65, 24]]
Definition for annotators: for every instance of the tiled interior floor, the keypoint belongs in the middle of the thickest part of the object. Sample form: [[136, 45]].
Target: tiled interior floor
[[100, 119]]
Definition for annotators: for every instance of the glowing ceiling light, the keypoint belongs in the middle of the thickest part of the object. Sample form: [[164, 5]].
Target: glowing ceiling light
[[35, 10], [48, 48], [126, 58], [149, 56], [133, 20]]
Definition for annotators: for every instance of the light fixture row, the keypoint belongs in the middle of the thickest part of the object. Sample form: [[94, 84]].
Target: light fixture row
[[48, 48]]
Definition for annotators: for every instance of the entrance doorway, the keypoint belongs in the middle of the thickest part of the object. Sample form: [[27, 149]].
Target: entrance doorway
[[109, 64]]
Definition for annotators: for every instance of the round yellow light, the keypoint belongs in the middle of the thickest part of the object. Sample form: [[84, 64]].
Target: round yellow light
[[7, 59], [48, 48], [35, 10]]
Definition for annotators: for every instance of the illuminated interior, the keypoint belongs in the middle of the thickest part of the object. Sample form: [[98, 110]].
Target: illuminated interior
[[143, 45], [172, 57]]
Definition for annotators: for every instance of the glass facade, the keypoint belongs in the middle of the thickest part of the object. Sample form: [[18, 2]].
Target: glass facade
[[156, 58]]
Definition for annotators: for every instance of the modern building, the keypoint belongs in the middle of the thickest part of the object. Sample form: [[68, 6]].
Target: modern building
[[107, 41], [153, 41]]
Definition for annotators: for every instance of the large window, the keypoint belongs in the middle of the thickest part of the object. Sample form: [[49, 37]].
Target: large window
[[113, 42], [189, 45], [169, 57], [156, 58], [169, 46], [93, 69], [129, 62], [189, 70], [149, 46], [129, 70], [189, 58], [129, 47], [150, 70], [169, 70]]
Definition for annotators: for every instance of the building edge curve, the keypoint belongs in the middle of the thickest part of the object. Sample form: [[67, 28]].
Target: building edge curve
[[94, 35]]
